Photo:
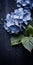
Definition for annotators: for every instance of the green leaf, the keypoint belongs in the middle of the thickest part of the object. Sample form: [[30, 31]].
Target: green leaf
[[27, 43], [29, 30], [16, 39]]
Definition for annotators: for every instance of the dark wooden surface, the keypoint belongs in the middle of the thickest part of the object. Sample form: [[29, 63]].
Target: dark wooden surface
[[6, 6], [11, 55]]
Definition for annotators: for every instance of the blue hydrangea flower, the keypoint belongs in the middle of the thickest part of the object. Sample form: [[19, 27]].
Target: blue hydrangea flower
[[20, 18]]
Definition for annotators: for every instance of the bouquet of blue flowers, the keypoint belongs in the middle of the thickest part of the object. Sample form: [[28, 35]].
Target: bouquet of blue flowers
[[18, 21]]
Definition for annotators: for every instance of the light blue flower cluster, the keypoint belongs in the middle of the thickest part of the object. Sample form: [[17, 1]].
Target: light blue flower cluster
[[20, 18], [25, 3]]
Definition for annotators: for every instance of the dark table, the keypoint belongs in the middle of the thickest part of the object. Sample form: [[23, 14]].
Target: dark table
[[11, 55]]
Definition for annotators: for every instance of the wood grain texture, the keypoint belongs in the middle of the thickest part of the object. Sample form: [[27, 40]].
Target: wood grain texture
[[11, 55]]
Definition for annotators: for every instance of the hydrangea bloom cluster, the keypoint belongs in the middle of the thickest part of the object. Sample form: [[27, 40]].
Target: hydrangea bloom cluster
[[17, 21]]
